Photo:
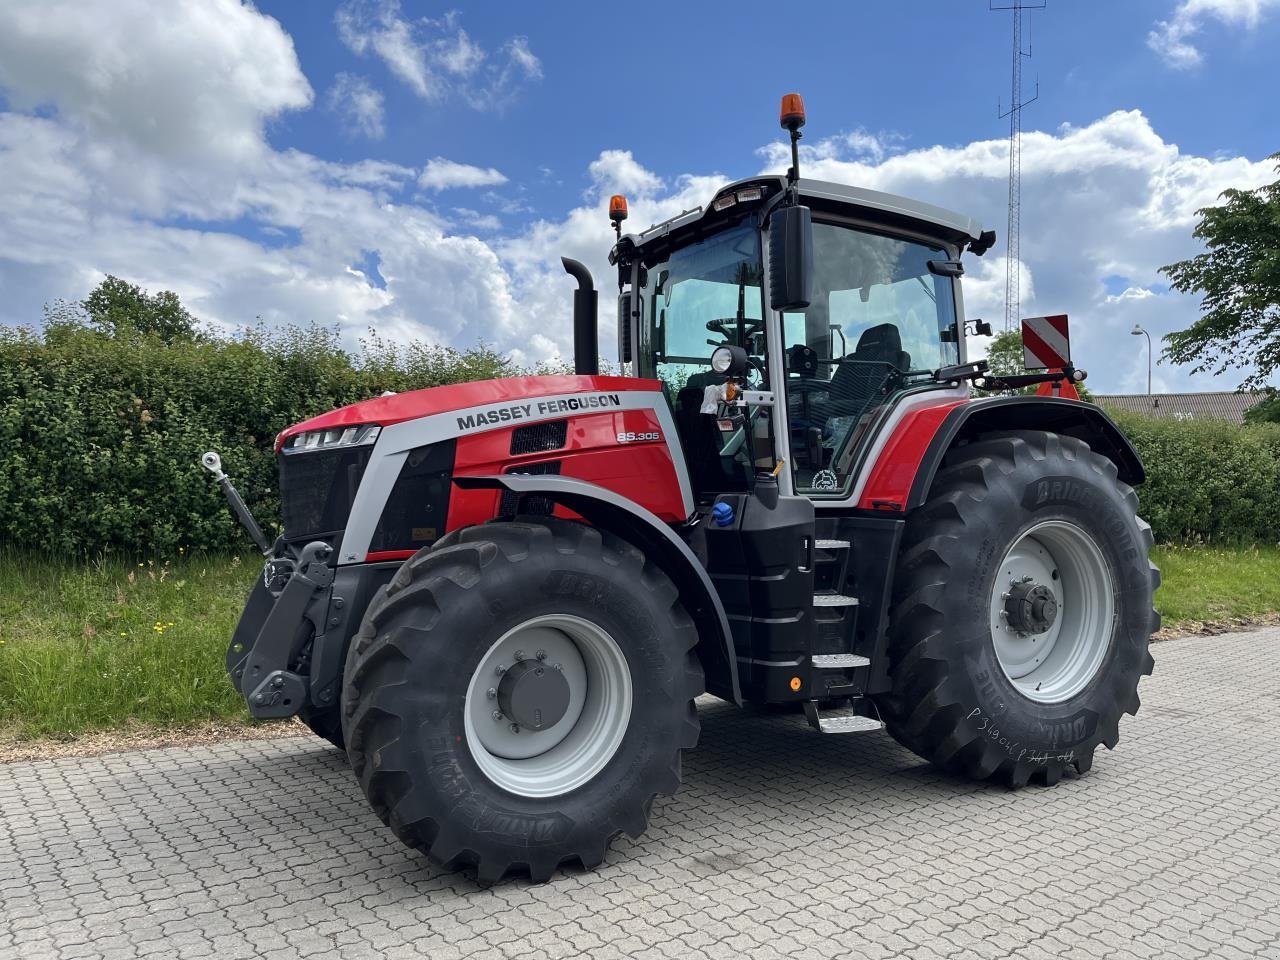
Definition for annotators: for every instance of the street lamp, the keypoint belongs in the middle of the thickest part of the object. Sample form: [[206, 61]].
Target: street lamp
[[1137, 331]]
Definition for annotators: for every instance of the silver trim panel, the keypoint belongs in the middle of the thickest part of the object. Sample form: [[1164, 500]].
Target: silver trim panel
[[398, 439]]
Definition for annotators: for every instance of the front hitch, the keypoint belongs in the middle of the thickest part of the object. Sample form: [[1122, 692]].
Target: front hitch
[[262, 672]]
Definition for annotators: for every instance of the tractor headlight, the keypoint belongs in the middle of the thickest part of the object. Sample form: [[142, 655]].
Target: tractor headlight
[[729, 361], [356, 436]]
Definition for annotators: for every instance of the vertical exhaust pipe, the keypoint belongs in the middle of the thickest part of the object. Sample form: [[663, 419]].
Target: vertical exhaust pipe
[[586, 333]]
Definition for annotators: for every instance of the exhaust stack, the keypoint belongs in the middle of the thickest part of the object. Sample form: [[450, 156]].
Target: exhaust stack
[[586, 334]]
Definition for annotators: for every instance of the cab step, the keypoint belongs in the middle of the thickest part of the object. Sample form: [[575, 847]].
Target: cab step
[[839, 723], [834, 600], [838, 661]]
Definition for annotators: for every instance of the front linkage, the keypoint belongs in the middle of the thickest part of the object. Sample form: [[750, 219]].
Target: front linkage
[[265, 642]]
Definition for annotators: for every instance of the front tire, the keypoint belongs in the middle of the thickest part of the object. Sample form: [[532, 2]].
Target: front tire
[[518, 695], [325, 724], [1022, 611]]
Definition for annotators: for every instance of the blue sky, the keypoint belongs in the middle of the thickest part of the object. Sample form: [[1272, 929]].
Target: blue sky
[[417, 167]]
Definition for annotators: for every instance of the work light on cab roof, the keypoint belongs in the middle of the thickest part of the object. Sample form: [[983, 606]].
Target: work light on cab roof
[[507, 595]]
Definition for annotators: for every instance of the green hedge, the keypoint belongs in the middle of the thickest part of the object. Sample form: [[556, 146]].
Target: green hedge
[[101, 430], [1208, 480]]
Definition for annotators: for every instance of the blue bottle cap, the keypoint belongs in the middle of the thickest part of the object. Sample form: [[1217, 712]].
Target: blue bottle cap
[[722, 514]]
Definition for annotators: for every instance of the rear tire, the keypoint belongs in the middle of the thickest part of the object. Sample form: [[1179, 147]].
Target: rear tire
[[449, 779], [1022, 611]]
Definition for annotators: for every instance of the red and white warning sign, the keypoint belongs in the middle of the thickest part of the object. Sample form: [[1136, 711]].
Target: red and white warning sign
[[1046, 343]]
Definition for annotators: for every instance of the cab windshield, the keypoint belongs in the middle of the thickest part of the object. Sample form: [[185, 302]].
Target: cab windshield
[[879, 322]]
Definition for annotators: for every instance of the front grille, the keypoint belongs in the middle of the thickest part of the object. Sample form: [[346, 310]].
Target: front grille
[[317, 489], [529, 505], [414, 515]]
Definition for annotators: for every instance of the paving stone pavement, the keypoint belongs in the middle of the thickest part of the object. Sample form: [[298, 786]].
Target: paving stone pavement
[[782, 843]]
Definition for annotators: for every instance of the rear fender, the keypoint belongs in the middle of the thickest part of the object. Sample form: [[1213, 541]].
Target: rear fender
[[1071, 418], [607, 510]]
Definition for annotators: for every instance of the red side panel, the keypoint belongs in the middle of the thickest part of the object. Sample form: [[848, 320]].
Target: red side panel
[[895, 469], [641, 470], [458, 396]]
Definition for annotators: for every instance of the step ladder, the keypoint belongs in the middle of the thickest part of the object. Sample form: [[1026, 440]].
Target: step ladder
[[837, 670], [839, 722]]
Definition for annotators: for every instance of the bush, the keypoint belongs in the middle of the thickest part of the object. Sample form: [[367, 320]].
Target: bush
[[1208, 480], [103, 414], [101, 428]]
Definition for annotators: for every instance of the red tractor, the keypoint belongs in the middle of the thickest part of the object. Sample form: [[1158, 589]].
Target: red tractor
[[503, 598]]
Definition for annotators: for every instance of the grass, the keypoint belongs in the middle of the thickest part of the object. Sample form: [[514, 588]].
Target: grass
[[99, 645], [116, 645], [1217, 586]]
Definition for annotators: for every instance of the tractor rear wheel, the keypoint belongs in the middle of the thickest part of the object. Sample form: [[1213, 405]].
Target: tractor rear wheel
[[517, 696], [1022, 611]]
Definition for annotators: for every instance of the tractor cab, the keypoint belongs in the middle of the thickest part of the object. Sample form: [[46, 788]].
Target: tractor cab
[[879, 314]]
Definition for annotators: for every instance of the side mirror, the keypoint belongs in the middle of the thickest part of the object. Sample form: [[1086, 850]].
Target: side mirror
[[790, 257], [624, 328]]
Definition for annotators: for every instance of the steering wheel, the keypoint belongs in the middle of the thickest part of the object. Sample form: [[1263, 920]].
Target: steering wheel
[[727, 327]]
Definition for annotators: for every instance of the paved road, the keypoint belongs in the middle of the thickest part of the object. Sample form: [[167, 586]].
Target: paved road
[[781, 843]]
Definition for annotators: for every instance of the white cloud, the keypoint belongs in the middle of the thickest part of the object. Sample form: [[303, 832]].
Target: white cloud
[[437, 57], [616, 171], [1172, 39], [240, 229], [1131, 293], [476, 220], [125, 73], [359, 104], [442, 174]]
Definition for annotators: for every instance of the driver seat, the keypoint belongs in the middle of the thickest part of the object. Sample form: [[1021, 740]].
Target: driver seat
[[865, 374]]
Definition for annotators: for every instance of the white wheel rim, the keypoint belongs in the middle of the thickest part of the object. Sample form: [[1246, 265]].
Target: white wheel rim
[[568, 754], [1054, 663]]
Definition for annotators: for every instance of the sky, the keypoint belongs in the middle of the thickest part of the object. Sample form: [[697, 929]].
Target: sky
[[418, 168]]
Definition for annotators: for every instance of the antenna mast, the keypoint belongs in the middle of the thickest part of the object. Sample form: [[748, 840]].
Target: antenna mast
[[1013, 253]]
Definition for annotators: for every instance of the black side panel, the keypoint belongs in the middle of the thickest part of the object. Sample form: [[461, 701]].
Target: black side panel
[[414, 514], [1071, 418], [762, 566]]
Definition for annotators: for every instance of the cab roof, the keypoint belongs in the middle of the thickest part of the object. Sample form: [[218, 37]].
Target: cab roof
[[883, 209]]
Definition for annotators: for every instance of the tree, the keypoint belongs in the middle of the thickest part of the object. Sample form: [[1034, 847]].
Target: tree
[[1238, 277], [1005, 354], [116, 305], [1266, 410]]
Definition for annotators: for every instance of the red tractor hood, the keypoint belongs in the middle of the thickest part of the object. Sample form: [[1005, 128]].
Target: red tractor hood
[[398, 407]]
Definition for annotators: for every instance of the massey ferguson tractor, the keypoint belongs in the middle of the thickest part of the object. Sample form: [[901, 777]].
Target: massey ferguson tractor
[[504, 598]]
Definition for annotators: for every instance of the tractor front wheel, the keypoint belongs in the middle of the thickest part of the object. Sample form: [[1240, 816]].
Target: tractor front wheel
[[519, 694], [1022, 611]]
